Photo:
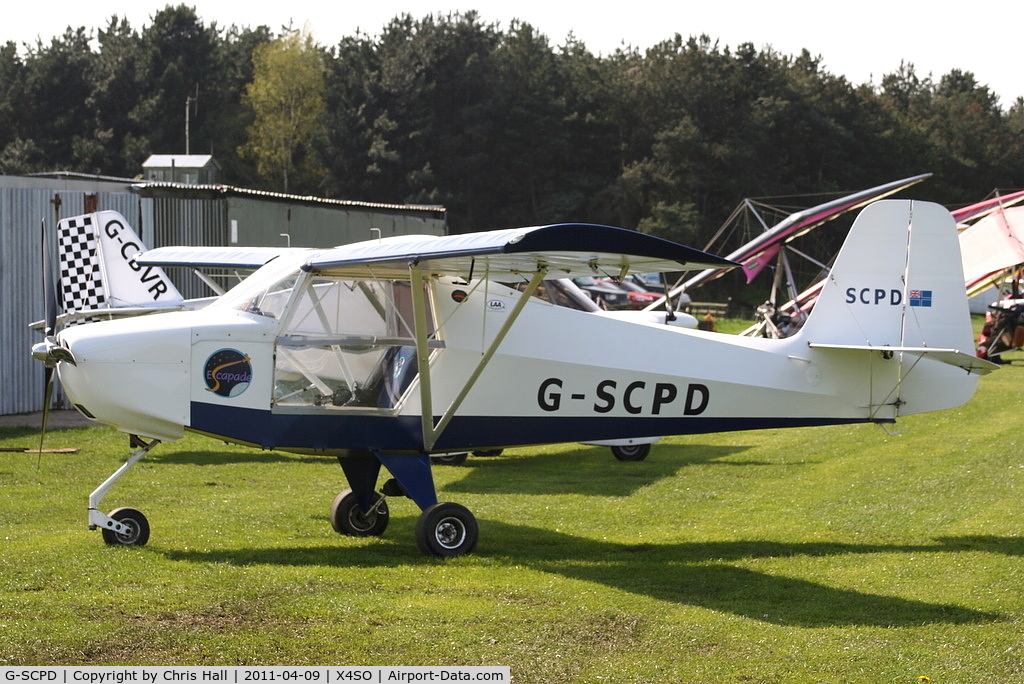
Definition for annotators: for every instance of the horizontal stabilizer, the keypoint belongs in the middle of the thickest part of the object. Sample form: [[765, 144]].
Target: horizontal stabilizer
[[954, 357]]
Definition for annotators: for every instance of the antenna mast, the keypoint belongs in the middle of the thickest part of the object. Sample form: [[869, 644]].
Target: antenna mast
[[189, 101]]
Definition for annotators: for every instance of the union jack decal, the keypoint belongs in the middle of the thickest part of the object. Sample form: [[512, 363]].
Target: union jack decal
[[920, 298]]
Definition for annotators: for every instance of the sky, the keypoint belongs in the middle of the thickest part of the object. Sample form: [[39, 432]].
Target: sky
[[862, 40]]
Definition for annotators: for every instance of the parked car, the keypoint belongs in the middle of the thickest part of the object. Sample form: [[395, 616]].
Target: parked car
[[637, 295], [605, 293], [651, 282]]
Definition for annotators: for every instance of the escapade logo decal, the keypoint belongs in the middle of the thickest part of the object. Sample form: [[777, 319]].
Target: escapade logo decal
[[227, 373]]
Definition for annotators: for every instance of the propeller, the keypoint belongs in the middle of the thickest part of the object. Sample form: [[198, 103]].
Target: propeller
[[49, 350]]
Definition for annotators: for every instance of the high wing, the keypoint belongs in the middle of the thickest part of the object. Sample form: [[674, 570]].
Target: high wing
[[553, 249], [211, 257], [232, 260]]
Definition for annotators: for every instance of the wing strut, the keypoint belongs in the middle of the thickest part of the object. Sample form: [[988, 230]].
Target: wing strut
[[431, 431]]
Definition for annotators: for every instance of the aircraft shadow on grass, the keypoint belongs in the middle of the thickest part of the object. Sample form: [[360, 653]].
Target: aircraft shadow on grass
[[590, 471], [580, 470], [696, 574], [216, 458]]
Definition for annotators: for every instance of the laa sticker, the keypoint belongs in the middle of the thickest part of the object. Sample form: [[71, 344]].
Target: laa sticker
[[228, 373]]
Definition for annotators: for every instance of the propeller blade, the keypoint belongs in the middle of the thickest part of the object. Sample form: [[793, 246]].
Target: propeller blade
[[49, 286], [47, 396]]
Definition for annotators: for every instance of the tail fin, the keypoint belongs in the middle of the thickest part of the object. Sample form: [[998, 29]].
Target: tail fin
[[97, 270], [896, 294]]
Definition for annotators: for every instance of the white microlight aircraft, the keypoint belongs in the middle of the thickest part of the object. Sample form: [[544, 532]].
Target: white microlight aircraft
[[381, 352]]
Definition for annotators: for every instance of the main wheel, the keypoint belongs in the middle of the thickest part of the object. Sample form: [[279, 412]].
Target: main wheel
[[446, 530], [348, 518], [136, 532], [631, 452]]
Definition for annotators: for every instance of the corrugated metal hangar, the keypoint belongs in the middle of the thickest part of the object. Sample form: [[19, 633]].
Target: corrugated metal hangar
[[162, 213]]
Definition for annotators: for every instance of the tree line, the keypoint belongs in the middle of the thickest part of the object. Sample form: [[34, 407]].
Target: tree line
[[497, 124]]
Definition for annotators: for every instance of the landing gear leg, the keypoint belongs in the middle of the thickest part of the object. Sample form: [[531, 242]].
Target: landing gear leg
[[443, 529], [124, 526], [360, 511]]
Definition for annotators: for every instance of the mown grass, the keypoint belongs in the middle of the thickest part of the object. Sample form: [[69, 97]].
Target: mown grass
[[810, 555]]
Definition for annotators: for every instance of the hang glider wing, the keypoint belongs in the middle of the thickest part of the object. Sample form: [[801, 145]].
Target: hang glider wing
[[973, 212], [563, 250], [757, 253], [991, 248]]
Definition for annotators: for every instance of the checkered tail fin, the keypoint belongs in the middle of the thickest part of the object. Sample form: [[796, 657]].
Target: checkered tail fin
[[80, 265], [96, 259]]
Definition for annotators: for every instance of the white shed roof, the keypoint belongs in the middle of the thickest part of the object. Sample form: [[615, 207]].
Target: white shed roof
[[187, 161]]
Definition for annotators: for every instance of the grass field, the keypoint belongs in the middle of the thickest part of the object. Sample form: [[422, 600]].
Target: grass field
[[837, 554]]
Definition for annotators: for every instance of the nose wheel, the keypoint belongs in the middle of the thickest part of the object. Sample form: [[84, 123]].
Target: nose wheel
[[129, 528], [123, 526]]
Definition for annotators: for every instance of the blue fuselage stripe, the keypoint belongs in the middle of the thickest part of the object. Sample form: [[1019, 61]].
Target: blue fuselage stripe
[[334, 431]]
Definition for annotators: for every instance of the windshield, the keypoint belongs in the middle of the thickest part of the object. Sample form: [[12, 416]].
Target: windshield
[[561, 292], [266, 290]]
